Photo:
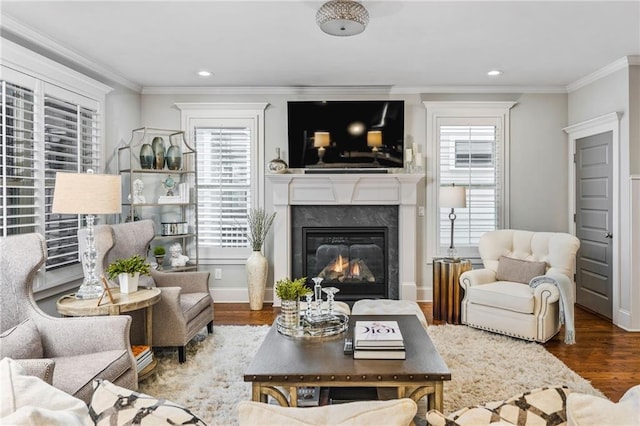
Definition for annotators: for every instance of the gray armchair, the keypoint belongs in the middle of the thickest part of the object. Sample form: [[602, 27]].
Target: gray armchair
[[186, 306], [66, 352]]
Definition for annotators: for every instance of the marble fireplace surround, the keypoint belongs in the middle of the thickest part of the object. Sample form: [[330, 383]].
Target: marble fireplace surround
[[397, 189]]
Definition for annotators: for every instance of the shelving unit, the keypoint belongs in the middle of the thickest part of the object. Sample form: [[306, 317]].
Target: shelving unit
[[144, 204]]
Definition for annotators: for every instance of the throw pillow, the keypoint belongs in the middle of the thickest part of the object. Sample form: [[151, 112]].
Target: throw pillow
[[585, 409], [27, 400], [21, 342], [519, 271], [112, 405], [542, 406], [363, 413]]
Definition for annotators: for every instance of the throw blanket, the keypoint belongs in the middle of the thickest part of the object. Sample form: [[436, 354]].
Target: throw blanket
[[565, 287]]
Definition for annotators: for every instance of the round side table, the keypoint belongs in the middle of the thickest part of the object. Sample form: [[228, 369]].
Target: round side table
[[145, 298]]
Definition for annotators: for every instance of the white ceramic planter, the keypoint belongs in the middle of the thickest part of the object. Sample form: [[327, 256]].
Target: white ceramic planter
[[128, 282], [257, 268]]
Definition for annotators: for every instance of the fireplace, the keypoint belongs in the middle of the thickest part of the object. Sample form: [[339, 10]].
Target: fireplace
[[352, 259], [353, 248], [350, 201]]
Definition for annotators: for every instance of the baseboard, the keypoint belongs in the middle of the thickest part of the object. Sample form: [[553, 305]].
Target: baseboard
[[425, 294], [236, 295]]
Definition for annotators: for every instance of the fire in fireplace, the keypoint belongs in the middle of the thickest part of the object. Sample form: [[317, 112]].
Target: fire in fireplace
[[353, 259]]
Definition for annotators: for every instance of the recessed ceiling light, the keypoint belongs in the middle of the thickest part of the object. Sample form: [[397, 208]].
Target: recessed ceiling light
[[494, 73], [204, 73]]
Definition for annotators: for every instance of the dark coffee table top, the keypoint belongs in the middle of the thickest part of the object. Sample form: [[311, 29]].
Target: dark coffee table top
[[288, 359]]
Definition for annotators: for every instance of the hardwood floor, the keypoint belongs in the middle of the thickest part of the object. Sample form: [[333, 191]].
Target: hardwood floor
[[604, 354]]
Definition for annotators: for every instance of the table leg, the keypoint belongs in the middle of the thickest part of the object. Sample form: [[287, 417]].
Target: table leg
[[256, 393], [293, 396], [148, 325]]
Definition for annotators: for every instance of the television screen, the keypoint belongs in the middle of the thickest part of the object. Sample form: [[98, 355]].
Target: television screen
[[337, 134]]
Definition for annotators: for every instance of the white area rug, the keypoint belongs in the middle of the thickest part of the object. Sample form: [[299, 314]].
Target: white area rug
[[484, 367]]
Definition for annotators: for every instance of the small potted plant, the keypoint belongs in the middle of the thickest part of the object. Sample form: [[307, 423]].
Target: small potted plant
[[128, 271], [289, 291], [158, 253]]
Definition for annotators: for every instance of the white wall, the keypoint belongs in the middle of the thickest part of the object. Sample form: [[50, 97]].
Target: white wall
[[609, 94], [536, 125]]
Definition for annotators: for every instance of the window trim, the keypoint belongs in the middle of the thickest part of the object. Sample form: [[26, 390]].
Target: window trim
[[437, 110], [254, 112], [54, 77]]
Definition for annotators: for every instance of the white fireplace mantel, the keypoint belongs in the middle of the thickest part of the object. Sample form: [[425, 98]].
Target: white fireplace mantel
[[399, 189]]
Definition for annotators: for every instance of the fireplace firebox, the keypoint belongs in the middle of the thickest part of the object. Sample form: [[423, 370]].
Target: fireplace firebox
[[353, 259]]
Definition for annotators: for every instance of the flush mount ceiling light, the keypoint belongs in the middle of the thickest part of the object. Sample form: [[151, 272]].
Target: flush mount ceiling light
[[494, 73], [204, 73], [342, 17]]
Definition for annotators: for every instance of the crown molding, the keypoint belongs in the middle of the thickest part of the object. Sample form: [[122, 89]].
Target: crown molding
[[265, 90], [621, 63], [26, 33], [477, 89]]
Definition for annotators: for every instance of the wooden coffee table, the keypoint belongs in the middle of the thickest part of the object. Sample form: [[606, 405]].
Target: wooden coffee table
[[288, 363]]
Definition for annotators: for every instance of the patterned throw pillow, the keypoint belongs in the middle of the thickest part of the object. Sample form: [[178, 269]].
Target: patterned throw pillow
[[113, 405], [519, 271], [543, 406]]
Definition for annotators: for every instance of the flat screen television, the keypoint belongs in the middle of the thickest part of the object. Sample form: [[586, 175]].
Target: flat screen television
[[345, 134]]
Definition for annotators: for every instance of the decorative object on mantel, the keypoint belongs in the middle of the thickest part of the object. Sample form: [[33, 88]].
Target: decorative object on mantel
[[87, 194], [452, 197], [128, 272], [342, 17], [277, 165], [374, 140], [158, 152], [259, 223]]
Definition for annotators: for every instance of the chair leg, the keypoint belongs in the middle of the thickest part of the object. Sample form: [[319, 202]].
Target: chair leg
[[182, 354], [210, 327]]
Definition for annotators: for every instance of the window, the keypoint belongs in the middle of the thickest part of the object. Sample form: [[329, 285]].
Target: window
[[45, 128], [470, 144], [229, 140]]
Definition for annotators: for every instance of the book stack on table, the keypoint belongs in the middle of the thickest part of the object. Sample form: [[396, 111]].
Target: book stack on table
[[143, 355], [378, 340]]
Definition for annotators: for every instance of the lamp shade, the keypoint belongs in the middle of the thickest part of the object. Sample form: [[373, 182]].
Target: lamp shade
[[321, 139], [87, 193], [453, 197], [374, 138]]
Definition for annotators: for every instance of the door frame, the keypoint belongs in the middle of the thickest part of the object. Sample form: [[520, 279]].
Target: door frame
[[605, 123]]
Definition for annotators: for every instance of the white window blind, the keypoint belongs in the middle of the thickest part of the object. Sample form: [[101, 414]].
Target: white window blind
[[224, 185], [469, 156], [71, 144], [19, 209]]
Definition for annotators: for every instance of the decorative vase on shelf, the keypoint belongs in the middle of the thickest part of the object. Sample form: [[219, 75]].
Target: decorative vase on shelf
[[257, 268], [277, 165], [174, 157], [158, 152], [146, 156]]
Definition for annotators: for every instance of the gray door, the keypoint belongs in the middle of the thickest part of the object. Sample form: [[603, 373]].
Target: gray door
[[594, 221]]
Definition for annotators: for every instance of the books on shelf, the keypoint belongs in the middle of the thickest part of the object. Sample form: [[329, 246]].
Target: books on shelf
[[378, 334], [143, 356], [169, 199]]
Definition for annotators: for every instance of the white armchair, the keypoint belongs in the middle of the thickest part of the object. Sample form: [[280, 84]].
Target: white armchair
[[498, 297]]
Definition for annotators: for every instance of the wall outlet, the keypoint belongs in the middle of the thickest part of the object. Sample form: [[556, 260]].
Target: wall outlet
[[421, 211], [217, 273]]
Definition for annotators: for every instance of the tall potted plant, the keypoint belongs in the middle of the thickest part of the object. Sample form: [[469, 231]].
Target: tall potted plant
[[128, 272], [259, 224]]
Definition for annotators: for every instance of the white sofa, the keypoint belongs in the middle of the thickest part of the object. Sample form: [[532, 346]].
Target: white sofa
[[498, 297]]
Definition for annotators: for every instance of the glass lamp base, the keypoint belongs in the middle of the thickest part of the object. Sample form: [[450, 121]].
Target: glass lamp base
[[90, 290]]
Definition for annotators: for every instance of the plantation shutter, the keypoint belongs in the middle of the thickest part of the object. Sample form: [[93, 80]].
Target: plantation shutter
[[470, 156], [224, 185], [18, 159], [71, 144]]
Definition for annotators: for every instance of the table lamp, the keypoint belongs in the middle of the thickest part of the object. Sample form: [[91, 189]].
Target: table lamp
[[452, 197], [374, 140], [89, 194], [320, 140]]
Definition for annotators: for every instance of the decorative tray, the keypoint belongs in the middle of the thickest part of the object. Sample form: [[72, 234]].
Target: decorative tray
[[315, 326]]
